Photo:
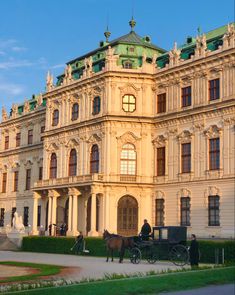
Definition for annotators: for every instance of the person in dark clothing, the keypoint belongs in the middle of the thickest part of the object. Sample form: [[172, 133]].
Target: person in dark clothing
[[194, 252], [79, 243], [145, 230]]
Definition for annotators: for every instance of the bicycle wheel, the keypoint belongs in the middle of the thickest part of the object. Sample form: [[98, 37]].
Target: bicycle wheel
[[179, 255], [135, 255]]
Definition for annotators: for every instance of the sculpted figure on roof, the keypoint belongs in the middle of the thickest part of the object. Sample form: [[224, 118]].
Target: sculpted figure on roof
[[49, 81], [201, 46], [26, 107], [4, 114], [174, 55], [228, 38], [14, 110], [39, 100]]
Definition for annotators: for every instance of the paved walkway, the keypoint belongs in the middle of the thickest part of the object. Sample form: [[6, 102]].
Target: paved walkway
[[228, 289], [86, 267]]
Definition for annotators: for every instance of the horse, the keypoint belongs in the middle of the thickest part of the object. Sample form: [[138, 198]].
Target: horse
[[117, 242]]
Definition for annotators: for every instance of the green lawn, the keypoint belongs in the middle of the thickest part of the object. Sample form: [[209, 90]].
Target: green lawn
[[44, 270], [146, 285]]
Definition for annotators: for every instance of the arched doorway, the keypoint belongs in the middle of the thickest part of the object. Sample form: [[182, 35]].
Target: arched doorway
[[127, 216]]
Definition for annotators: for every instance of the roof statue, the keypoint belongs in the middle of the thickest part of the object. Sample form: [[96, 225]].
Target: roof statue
[[201, 46], [49, 81], [174, 55], [26, 107], [39, 99], [228, 38], [14, 110], [4, 114]]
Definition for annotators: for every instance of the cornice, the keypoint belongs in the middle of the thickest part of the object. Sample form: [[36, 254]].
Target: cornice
[[22, 149]]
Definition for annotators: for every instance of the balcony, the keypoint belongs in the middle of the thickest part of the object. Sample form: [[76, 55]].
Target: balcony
[[67, 181]]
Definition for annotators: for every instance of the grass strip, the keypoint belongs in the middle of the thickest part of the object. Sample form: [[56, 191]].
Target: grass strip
[[44, 270], [146, 285]]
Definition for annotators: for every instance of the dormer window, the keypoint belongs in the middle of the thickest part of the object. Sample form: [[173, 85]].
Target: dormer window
[[127, 65]]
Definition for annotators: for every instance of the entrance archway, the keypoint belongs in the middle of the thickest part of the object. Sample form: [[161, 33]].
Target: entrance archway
[[127, 216]]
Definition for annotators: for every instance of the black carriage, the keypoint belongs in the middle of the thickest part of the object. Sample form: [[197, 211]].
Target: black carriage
[[166, 242]]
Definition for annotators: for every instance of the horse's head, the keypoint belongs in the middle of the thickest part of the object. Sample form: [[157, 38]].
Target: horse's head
[[105, 234]]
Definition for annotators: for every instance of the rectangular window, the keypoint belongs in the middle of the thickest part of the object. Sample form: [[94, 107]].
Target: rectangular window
[[213, 213], [4, 182], [161, 161], [30, 136], [28, 179], [40, 173], [6, 142], [186, 96], [214, 89], [18, 137], [13, 210], [186, 157], [2, 213], [39, 216], [159, 212], [26, 216], [161, 103], [214, 154], [185, 211], [16, 177], [42, 131]]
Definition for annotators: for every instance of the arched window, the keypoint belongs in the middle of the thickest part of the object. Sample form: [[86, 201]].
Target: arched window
[[96, 105], [75, 110], [129, 103], [127, 65], [53, 166], [94, 159], [128, 159], [73, 163], [55, 118]]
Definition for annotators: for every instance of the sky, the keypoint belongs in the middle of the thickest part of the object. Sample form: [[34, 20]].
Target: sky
[[41, 35]]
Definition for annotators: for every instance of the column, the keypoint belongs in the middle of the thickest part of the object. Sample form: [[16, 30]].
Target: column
[[53, 215], [75, 216], [70, 216], [93, 232], [36, 196]]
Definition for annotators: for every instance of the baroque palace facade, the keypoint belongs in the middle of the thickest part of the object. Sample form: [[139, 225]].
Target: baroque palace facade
[[129, 131]]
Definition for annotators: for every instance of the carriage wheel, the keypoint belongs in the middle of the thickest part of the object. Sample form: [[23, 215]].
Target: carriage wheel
[[135, 255], [152, 257], [179, 255]]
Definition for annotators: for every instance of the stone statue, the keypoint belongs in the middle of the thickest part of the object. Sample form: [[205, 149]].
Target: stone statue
[[49, 81], [4, 114], [39, 99], [14, 110], [18, 223], [174, 55], [201, 46], [26, 107]]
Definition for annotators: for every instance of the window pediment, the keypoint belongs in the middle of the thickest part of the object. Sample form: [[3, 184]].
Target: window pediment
[[185, 136], [72, 143], [160, 140], [127, 137], [129, 89], [213, 131], [51, 147], [94, 138]]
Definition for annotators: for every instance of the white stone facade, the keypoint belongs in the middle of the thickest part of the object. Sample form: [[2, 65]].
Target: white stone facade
[[90, 202]]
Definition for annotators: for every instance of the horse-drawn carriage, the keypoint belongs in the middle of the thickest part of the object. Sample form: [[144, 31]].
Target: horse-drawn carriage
[[166, 242]]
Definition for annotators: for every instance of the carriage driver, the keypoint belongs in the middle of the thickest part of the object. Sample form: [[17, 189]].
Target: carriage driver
[[145, 230]]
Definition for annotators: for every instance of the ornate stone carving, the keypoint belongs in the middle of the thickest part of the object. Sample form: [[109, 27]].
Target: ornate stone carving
[[184, 192], [129, 89], [4, 114], [128, 137], [72, 143], [201, 46], [49, 82], [14, 113], [185, 136], [26, 107], [229, 36], [94, 138], [213, 131], [213, 191], [159, 195], [67, 75], [39, 100], [160, 140], [174, 55]]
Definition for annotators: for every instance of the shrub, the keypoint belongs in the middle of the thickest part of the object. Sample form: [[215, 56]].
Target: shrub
[[96, 247]]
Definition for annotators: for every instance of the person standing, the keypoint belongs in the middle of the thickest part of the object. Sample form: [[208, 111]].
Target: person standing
[[145, 230], [79, 243], [194, 251]]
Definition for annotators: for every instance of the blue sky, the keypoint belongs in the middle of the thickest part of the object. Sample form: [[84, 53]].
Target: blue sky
[[41, 35]]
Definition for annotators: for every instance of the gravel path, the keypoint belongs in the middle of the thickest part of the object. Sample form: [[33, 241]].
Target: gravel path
[[85, 267]]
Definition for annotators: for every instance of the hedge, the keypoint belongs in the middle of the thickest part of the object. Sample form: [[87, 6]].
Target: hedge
[[96, 247]]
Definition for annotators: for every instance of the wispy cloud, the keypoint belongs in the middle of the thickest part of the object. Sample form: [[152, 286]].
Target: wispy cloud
[[5, 65], [11, 88], [58, 66], [18, 48]]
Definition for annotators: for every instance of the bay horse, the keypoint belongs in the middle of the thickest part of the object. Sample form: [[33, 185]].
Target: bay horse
[[117, 242]]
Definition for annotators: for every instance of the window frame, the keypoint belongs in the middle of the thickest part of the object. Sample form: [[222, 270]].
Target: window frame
[[186, 156], [53, 166], [94, 159], [16, 181], [30, 136], [18, 139], [4, 182], [6, 145], [75, 112], [214, 210], [161, 103], [128, 104], [214, 89], [28, 180], [72, 164], [186, 96], [214, 153], [2, 216], [126, 162], [185, 212], [159, 212], [26, 216], [55, 117], [96, 105], [161, 161]]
